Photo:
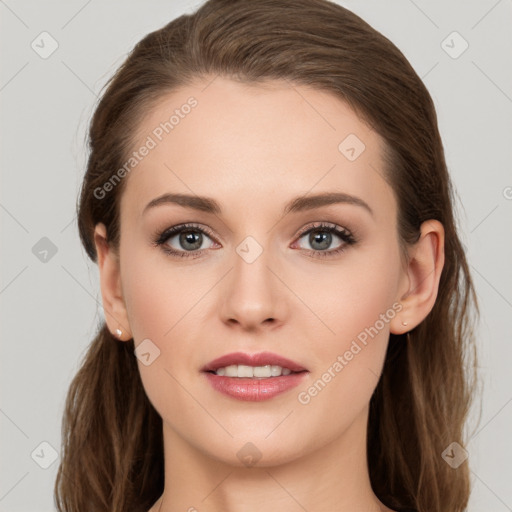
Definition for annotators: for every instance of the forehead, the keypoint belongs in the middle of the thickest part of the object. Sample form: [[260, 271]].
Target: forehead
[[249, 143]]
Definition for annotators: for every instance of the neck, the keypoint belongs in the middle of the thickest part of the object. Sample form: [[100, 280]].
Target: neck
[[333, 477]]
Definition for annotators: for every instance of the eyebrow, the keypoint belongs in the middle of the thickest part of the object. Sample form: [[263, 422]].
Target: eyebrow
[[299, 204]]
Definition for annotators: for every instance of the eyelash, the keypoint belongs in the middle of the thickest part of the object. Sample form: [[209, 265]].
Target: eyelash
[[162, 237]]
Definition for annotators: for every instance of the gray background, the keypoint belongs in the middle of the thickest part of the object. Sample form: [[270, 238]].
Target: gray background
[[50, 309]]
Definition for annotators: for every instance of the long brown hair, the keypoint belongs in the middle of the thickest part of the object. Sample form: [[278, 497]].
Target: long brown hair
[[112, 445]]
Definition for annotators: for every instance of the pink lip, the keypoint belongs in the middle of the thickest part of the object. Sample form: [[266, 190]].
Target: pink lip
[[261, 359], [253, 389]]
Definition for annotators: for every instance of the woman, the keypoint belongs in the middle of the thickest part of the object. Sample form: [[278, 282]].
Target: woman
[[287, 302]]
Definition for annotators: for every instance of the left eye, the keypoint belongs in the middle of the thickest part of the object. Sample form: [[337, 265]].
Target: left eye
[[320, 238]]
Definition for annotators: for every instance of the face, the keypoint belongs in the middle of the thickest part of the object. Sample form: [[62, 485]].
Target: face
[[268, 270]]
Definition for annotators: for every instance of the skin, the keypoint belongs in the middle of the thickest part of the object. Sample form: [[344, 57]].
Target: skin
[[253, 148]]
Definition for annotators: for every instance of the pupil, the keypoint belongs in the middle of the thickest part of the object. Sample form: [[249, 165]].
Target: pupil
[[324, 239], [191, 237]]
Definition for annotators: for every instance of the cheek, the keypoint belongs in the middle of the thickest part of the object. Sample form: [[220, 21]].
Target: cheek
[[158, 295], [160, 304], [353, 294], [356, 302]]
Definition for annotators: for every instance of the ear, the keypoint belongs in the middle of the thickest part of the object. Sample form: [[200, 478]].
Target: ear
[[421, 278], [110, 281]]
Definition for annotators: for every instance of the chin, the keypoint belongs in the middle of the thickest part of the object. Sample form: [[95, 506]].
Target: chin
[[254, 451]]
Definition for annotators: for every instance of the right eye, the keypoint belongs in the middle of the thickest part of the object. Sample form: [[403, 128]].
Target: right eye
[[190, 238]]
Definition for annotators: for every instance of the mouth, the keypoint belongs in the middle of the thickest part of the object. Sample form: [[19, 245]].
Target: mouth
[[253, 377]]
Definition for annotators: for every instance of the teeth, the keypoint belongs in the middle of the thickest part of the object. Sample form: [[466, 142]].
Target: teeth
[[242, 370]]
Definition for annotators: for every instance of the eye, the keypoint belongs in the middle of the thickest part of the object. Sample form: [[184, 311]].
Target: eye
[[189, 240], [320, 238]]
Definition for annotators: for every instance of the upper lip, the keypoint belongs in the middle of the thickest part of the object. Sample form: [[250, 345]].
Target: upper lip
[[260, 359]]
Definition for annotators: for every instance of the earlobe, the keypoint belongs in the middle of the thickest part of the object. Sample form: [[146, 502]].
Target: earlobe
[[426, 261], [114, 307]]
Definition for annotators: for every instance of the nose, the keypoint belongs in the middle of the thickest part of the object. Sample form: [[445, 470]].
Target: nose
[[253, 295]]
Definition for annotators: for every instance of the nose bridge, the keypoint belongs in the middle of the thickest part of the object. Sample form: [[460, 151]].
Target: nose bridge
[[252, 293]]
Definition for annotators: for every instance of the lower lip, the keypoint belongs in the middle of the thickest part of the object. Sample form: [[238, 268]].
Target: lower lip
[[254, 389]]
